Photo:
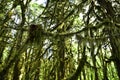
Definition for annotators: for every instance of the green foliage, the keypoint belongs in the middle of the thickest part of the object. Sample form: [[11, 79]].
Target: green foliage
[[59, 40]]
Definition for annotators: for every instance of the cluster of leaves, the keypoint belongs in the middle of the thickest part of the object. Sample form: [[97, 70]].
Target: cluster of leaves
[[60, 40]]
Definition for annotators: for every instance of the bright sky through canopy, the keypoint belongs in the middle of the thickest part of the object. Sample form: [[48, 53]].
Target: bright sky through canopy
[[39, 1]]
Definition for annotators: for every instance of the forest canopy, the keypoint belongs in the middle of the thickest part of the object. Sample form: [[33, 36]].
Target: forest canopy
[[59, 39]]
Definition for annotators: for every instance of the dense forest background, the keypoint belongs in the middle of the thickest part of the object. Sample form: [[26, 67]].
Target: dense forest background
[[60, 40]]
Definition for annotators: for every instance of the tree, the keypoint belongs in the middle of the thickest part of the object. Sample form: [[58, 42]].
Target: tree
[[59, 40]]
